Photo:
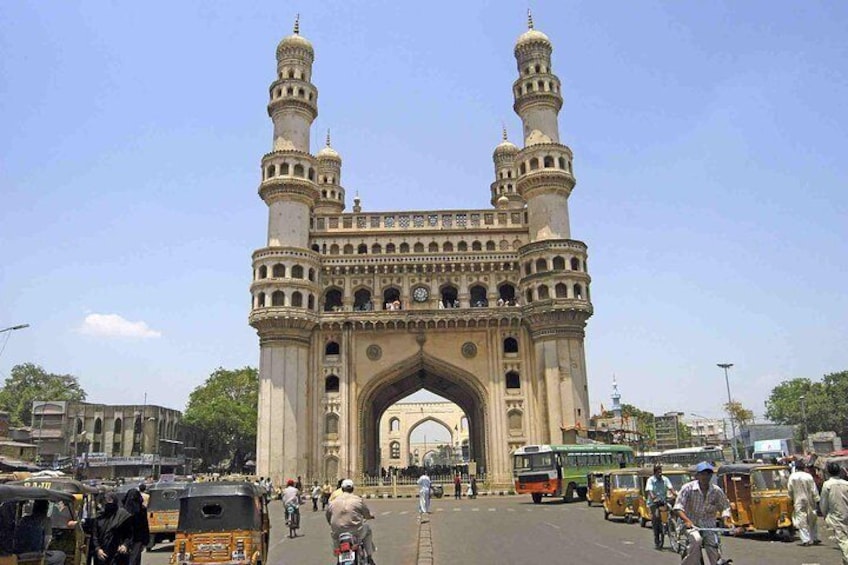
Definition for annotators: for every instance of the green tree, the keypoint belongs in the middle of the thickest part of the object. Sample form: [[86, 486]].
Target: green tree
[[29, 382], [739, 413], [224, 408], [824, 403]]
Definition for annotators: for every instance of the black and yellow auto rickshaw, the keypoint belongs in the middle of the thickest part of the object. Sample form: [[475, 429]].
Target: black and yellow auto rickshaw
[[678, 477], [621, 493], [595, 488], [16, 502], [222, 522], [163, 511], [759, 497], [66, 537]]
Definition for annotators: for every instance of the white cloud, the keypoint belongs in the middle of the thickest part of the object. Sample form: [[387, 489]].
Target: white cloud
[[113, 325]]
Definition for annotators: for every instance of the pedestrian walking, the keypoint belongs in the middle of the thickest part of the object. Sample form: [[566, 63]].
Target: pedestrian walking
[[112, 537], [457, 487], [134, 505], [805, 496], [326, 491], [834, 507], [424, 491], [316, 494], [473, 487]]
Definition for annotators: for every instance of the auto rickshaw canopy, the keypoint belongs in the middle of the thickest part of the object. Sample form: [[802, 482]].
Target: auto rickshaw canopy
[[218, 507]]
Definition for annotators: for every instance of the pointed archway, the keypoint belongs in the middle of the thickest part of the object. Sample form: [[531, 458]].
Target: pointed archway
[[421, 371]]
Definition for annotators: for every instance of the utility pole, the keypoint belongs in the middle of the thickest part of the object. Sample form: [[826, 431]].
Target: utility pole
[[726, 366]]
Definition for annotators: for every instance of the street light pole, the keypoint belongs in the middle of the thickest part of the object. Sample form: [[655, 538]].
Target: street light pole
[[726, 366], [10, 329], [803, 399]]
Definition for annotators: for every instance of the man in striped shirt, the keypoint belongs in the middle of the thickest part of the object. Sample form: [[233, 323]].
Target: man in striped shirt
[[696, 506]]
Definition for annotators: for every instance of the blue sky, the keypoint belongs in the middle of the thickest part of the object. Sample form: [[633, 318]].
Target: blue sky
[[709, 145]]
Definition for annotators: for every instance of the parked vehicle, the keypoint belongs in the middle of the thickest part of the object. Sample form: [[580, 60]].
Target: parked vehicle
[[621, 493], [222, 522], [759, 497], [163, 511], [595, 488], [767, 450]]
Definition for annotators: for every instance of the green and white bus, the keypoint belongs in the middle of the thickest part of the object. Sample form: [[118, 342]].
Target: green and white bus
[[560, 470]]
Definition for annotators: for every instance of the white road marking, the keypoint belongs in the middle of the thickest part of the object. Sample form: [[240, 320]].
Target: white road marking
[[553, 525], [491, 509], [457, 509], [404, 512], [384, 513], [612, 549], [475, 510]]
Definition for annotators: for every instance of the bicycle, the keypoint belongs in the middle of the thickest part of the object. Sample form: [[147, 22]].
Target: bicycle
[[712, 540]]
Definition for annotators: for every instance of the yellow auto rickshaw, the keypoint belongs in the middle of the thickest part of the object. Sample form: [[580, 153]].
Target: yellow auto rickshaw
[[17, 501], [595, 488], [163, 511], [621, 493], [222, 522], [759, 498], [67, 537], [678, 477]]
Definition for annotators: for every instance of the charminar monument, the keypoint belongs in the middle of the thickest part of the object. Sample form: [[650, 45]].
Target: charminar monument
[[356, 310]]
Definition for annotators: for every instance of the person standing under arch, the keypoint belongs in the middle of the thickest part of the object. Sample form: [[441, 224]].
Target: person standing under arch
[[424, 490]]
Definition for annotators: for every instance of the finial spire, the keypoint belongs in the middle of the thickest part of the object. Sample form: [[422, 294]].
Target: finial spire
[[297, 25], [529, 19], [503, 126], [328, 137]]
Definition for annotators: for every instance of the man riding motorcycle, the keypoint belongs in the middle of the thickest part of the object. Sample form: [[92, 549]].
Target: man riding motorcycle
[[347, 514]]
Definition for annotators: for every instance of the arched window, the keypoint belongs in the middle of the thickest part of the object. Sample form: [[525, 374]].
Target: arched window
[[391, 299], [117, 428], [79, 426], [284, 169], [476, 246], [362, 300], [394, 425], [528, 268], [332, 348], [559, 263], [316, 248], [331, 424], [513, 380], [390, 248], [297, 272], [549, 162], [534, 164], [311, 275], [263, 272], [529, 296], [433, 247], [575, 264], [418, 247], [562, 163], [462, 246], [544, 294], [490, 246], [311, 302], [334, 249], [333, 300], [447, 247], [362, 249], [449, 296], [510, 345], [272, 170], [298, 170], [376, 249], [98, 426], [478, 296], [331, 384], [506, 292], [395, 450], [260, 300], [578, 292], [278, 298], [297, 299], [514, 418], [404, 247], [463, 423], [523, 168], [348, 249], [278, 271], [136, 426], [561, 291], [541, 265]]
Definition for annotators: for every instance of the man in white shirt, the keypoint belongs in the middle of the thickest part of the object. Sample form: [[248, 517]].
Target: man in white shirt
[[424, 493], [834, 507], [805, 496]]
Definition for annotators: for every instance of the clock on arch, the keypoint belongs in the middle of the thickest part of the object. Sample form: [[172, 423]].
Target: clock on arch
[[420, 294]]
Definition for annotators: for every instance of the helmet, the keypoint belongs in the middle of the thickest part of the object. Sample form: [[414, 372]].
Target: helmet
[[290, 483], [347, 484]]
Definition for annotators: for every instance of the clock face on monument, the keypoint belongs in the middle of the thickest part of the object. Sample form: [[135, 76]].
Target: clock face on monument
[[420, 294]]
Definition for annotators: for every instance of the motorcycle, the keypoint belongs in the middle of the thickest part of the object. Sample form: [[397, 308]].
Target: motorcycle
[[349, 551], [292, 519]]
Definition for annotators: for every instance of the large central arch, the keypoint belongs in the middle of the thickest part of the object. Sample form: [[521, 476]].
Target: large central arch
[[421, 371]]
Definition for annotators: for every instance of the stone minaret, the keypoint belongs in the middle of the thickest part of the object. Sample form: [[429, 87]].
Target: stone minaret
[[616, 399], [504, 190], [556, 293], [285, 281], [332, 197]]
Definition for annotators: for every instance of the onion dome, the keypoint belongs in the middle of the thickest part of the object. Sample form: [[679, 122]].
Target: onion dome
[[294, 41], [505, 147], [327, 152], [531, 35], [502, 202]]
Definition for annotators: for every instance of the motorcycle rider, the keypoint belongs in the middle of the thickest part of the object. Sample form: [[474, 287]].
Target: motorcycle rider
[[291, 497], [347, 513], [659, 489]]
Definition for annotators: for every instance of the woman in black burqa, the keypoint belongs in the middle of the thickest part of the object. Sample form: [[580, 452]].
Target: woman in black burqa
[[113, 533], [134, 505]]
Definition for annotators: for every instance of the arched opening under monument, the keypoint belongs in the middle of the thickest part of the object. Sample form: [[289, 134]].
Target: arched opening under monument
[[448, 426]]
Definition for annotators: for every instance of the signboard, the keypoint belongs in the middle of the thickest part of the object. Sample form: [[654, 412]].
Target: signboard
[[666, 432]]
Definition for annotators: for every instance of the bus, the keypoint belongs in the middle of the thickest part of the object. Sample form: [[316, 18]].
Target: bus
[[560, 470], [688, 456]]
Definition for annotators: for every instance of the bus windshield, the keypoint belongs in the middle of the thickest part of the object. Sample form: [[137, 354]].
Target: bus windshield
[[534, 462]]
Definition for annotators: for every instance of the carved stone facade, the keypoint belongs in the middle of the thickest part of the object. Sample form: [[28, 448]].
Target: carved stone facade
[[355, 311], [397, 449]]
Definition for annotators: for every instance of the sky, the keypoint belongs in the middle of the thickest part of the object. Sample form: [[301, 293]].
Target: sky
[[708, 144]]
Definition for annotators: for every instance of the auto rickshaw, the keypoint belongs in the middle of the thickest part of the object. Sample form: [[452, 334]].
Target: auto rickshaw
[[621, 493], [163, 511], [678, 477], [68, 536], [759, 498], [70, 539], [595, 488], [222, 522]]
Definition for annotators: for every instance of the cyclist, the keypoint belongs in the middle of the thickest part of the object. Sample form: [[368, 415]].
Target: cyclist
[[696, 506], [659, 489], [291, 497]]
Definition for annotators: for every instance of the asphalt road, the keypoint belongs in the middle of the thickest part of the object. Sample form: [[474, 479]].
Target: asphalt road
[[507, 530]]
